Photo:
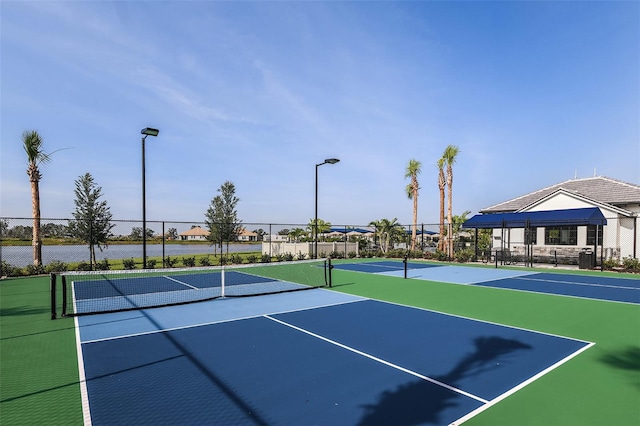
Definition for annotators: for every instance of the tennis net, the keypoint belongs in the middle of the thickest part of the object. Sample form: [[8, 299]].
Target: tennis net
[[91, 292]]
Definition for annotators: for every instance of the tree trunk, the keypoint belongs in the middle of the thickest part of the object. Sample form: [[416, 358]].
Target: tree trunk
[[36, 242], [449, 210], [441, 185], [415, 218]]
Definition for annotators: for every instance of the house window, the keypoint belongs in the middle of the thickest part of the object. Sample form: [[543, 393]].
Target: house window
[[561, 235], [592, 231], [531, 236]]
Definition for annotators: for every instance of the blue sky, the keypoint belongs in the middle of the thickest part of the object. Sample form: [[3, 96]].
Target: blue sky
[[533, 93]]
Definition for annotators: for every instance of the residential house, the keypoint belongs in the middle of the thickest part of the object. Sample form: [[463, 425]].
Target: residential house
[[196, 233], [247, 236]]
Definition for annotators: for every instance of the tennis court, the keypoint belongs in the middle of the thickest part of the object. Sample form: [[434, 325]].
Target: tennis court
[[625, 290], [317, 357], [374, 349]]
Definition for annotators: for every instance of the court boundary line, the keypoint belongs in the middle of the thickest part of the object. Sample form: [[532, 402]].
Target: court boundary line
[[379, 360], [484, 321], [578, 283], [553, 294], [82, 378], [479, 284], [204, 324], [520, 386]]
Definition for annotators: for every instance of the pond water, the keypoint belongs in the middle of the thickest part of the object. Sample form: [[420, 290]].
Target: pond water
[[21, 256]]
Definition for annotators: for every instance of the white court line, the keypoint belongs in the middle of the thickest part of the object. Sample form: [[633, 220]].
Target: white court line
[[84, 395], [221, 321], [180, 282], [578, 283], [364, 354], [518, 387]]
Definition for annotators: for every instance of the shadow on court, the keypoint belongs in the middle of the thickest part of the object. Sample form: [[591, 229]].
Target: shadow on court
[[399, 406], [626, 359]]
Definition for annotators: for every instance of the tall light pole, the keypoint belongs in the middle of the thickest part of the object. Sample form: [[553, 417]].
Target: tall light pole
[[315, 224], [147, 131]]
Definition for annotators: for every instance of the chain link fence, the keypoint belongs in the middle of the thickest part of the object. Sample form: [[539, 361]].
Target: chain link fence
[[179, 244]]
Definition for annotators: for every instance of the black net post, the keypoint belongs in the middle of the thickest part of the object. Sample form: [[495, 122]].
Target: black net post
[[64, 295], [52, 288], [405, 262], [329, 268]]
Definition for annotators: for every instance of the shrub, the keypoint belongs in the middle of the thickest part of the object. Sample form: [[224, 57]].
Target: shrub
[[336, 255], [610, 264], [265, 258], [462, 256], [252, 258], [103, 265], [301, 256], [236, 259], [84, 266], [288, 257], [151, 263], [34, 270], [280, 257], [223, 260], [441, 256], [352, 254], [189, 261], [54, 266], [204, 261], [129, 263], [169, 262], [8, 270], [631, 263]]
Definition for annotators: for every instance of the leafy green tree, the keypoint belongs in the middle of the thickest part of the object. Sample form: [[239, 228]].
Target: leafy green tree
[[54, 230], [261, 233], [457, 223], [222, 217], [412, 171], [32, 143], [92, 223], [172, 234], [20, 232], [136, 233]]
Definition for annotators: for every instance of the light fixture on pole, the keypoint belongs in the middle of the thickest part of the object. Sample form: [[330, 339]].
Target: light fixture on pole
[[315, 224], [147, 131]]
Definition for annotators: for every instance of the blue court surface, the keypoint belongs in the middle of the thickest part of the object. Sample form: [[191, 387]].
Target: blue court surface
[[625, 290], [311, 357]]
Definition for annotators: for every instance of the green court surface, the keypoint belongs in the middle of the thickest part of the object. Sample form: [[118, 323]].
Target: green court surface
[[39, 371]]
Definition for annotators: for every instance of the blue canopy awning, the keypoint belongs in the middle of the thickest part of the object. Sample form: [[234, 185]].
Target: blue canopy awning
[[347, 230], [584, 216]]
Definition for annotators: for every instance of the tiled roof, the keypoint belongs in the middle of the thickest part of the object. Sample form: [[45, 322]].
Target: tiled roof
[[598, 188], [196, 231]]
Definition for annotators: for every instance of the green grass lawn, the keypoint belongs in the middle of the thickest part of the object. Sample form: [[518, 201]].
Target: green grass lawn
[[39, 372]]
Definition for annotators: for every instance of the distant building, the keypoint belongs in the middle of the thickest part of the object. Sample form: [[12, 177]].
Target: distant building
[[247, 236], [618, 201], [196, 233]]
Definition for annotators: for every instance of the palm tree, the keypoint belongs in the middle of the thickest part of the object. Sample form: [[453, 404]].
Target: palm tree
[[441, 185], [32, 143], [412, 172], [386, 230], [450, 154]]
